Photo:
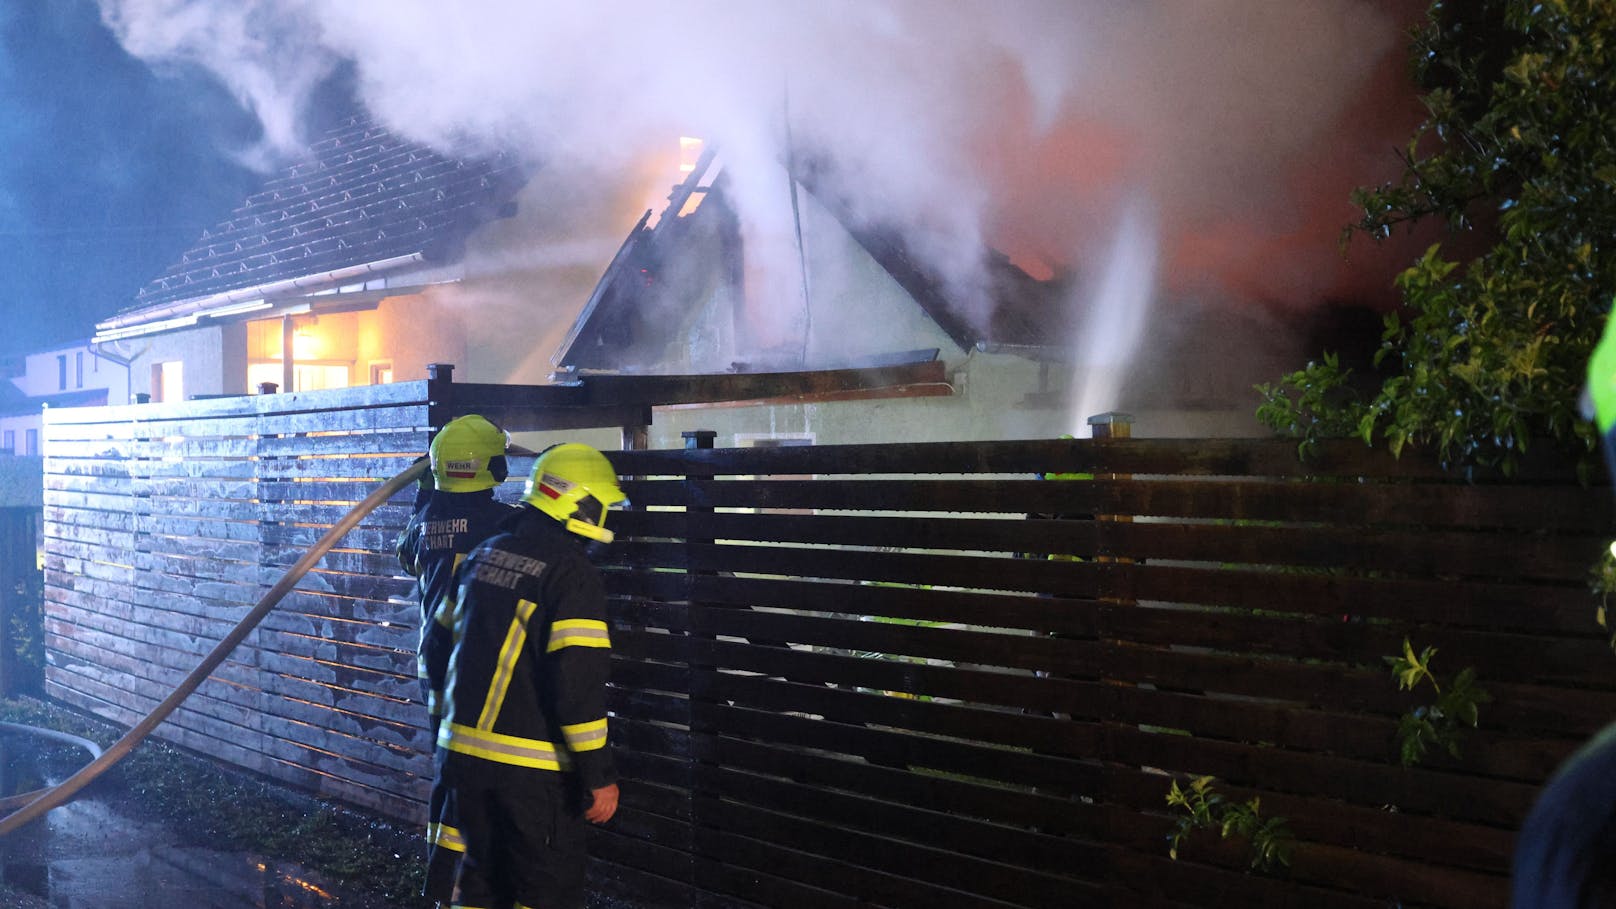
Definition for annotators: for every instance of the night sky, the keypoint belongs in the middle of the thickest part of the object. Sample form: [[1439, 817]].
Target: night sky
[[110, 170]]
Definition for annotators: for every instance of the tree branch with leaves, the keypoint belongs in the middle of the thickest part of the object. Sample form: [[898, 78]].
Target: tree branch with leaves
[[1441, 724], [1518, 148]]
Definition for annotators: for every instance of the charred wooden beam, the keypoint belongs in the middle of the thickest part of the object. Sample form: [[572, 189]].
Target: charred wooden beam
[[769, 387], [618, 401]]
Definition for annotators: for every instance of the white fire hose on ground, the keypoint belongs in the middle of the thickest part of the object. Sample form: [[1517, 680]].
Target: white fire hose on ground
[[37, 803]]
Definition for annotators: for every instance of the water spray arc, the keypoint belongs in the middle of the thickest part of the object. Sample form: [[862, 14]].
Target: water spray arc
[[1118, 307], [46, 799]]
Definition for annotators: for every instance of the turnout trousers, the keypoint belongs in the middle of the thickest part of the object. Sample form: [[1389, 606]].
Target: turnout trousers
[[507, 847]]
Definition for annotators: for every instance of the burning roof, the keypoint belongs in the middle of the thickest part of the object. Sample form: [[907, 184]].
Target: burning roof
[[697, 236]]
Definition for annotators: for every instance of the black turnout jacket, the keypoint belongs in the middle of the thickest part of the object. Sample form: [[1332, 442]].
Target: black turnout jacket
[[440, 534], [526, 681]]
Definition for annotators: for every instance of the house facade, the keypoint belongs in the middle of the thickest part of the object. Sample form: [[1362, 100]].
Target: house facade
[[350, 269], [685, 295], [77, 374], [379, 256]]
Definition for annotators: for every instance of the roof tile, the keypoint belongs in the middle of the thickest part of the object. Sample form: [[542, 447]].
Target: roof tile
[[365, 195]]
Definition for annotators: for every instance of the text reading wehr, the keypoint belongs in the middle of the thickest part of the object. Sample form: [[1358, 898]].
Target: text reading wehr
[[441, 534]]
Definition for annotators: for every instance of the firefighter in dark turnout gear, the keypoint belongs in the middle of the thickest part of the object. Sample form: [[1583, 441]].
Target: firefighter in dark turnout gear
[[522, 755], [468, 461], [1563, 853]]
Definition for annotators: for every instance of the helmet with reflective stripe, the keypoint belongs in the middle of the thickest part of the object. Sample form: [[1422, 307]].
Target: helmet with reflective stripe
[[576, 485], [468, 454]]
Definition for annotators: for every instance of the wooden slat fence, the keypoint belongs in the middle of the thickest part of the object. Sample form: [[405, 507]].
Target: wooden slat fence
[[874, 686], [164, 524], [853, 676]]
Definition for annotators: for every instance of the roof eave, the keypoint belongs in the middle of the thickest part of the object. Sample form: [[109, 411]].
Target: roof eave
[[186, 313]]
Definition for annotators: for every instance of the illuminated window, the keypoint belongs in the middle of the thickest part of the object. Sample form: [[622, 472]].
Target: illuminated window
[[312, 378], [307, 344], [381, 372], [168, 381], [305, 376]]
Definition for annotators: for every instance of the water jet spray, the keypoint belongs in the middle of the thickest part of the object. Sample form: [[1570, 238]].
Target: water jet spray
[[1116, 311]]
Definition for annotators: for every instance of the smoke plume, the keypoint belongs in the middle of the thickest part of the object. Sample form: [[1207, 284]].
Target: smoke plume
[[1023, 124]]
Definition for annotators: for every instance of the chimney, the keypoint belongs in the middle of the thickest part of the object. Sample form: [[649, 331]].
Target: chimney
[[699, 438], [1111, 425]]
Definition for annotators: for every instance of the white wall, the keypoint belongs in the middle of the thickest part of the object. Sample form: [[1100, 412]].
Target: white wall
[[215, 358], [43, 376]]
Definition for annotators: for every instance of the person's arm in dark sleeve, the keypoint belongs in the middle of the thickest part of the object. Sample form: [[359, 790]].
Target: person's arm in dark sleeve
[[577, 664], [408, 547], [432, 658]]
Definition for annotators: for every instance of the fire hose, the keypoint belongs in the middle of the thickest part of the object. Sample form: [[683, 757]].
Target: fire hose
[[44, 800]]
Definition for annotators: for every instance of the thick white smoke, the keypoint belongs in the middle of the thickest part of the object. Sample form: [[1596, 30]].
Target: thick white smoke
[[1010, 122]]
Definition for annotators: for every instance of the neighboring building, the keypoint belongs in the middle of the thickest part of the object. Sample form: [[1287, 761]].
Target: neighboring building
[[79, 374], [330, 276]]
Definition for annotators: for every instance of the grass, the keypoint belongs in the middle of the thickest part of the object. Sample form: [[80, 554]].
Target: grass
[[211, 806]]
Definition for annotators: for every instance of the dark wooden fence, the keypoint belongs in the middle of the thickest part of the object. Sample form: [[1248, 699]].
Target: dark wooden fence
[[855, 676]]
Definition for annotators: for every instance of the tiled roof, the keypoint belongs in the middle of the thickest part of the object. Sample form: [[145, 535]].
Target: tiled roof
[[366, 195]]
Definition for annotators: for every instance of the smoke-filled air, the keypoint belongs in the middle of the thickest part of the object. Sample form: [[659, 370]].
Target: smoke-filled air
[[1222, 135]]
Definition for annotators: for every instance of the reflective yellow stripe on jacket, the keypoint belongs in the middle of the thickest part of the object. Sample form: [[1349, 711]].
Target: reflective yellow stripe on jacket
[[445, 837], [509, 652], [586, 736], [577, 633], [505, 749]]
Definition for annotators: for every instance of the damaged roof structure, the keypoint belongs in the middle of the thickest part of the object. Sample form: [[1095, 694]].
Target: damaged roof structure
[[694, 249], [354, 265]]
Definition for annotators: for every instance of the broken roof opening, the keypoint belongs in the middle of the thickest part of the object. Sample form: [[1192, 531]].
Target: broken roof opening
[[691, 254]]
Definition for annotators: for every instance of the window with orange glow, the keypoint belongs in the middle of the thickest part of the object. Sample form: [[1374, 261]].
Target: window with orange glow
[[305, 376]]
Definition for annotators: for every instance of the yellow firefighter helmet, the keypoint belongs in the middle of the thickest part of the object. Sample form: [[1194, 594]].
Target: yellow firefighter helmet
[[576, 485], [468, 455]]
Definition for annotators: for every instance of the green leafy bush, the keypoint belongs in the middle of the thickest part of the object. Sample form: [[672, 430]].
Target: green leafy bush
[[1439, 725], [1518, 151], [1205, 808]]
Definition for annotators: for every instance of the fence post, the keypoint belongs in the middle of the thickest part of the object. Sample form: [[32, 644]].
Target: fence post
[[701, 665], [1116, 588], [439, 395]]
